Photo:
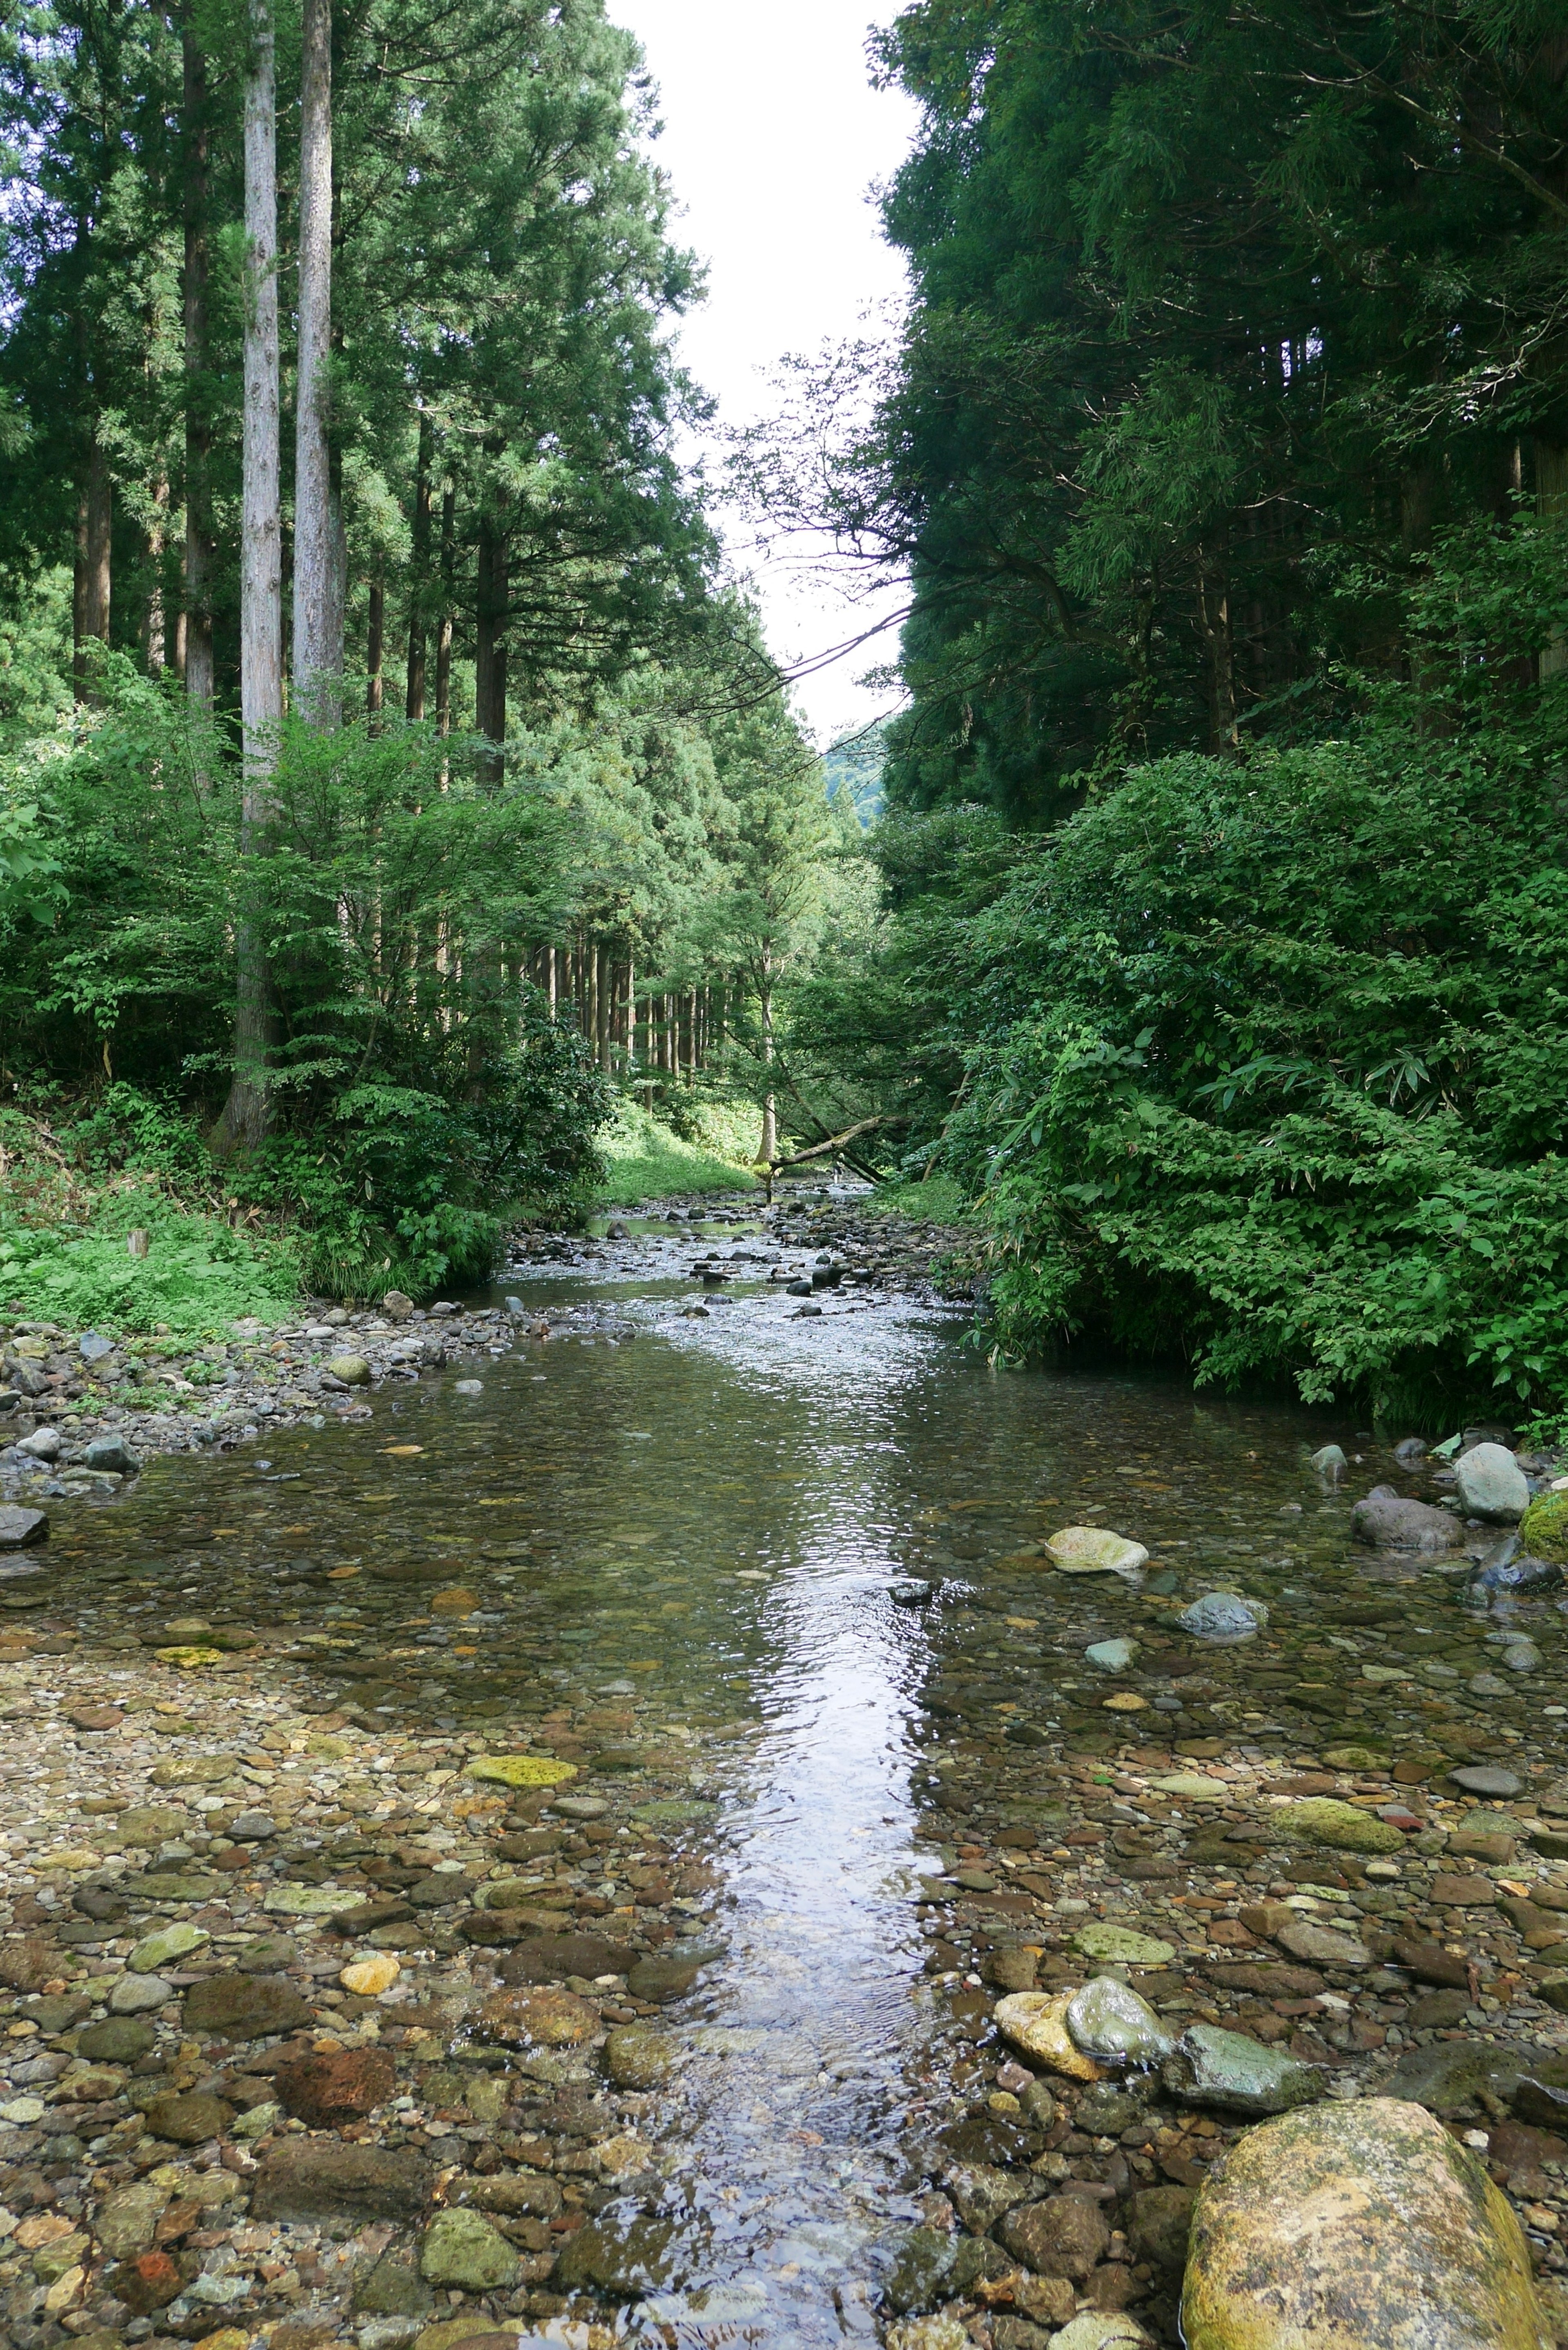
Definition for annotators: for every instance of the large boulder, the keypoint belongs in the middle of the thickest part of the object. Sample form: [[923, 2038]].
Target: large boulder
[[1543, 1529], [1361, 2225], [1492, 1485], [1386, 1522]]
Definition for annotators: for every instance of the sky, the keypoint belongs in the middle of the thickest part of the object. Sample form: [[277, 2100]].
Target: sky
[[773, 141]]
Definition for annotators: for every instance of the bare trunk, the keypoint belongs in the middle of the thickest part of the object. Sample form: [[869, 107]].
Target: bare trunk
[[318, 657], [490, 650], [197, 666], [373, 647], [247, 1113], [418, 573], [769, 1146], [1214, 619], [91, 596], [443, 632], [152, 635]]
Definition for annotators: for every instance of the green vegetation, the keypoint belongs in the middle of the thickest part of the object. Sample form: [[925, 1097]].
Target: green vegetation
[[1222, 942], [1543, 1529], [539, 835], [646, 1159]]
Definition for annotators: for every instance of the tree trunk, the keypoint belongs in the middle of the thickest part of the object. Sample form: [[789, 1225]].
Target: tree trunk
[[419, 572], [373, 647], [91, 595], [318, 657], [1214, 619], [769, 1146], [153, 641], [247, 1113], [490, 650], [443, 632], [199, 547]]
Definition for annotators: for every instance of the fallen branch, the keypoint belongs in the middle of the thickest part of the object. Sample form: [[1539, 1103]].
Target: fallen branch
[[834, 1142]]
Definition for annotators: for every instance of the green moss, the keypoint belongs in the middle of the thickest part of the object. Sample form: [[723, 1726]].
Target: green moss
[[1543, 1529]]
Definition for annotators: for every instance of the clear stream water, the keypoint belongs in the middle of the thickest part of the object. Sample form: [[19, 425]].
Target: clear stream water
[[710, 1520]]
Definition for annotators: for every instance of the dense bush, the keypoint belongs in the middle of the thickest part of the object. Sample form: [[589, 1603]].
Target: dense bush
[[1273, 1072]]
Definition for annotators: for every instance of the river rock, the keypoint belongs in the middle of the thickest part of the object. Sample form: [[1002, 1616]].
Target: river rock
[[1386, 1522], [1111, 1656], [188, 2120], [521, 1770], [1112, 2024], [466, 2249], [1119, 1946], [352, 1370], [124, 2226], [1035, 2023], [1341, 1827], [117, 2039], [1357, 2224], [20, 1526], [1221, 1618], [166, 1948], [1225, 2069], [1449, 2076], [1095, 1550], [544, 2018], [635, 2058], [112, 1453], [623, 2257], [138, 1994], [43, 1444], [1486, 1779], [310, 2179], [343, 2086], [1492, 1485], [1329, 1460], [1159, 2221], [982, 2191], [1320, 1946], [1065, 2236], [245, 2006]]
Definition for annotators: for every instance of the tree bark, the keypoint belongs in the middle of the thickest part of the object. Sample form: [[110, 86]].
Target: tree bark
[[246, 1115], [317, 649], [443, 631], [490, 650], [153, 634], [769, 1146], [199, 549], [91, 586], [374, 651], [419, 572]]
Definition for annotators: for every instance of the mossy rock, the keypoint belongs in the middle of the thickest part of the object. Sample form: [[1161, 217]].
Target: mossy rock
[[1543, 1529], [1353, 2224]]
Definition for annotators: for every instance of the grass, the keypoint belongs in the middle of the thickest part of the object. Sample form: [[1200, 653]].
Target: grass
[[938, 1201], [648, 1160]]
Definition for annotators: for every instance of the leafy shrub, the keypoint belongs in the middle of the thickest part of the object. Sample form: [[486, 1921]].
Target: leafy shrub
[[1273, 1082]]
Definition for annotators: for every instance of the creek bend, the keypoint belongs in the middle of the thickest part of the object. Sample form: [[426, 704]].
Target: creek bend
[[774, 1584]]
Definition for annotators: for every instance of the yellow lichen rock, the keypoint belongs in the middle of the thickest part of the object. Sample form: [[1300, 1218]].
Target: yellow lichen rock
[[1356, 2226]]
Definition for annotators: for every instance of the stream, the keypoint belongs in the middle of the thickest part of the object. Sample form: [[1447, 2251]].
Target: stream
[[799, 1556]]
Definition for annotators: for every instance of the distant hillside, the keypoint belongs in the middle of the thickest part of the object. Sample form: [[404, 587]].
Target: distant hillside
[[854, 766]]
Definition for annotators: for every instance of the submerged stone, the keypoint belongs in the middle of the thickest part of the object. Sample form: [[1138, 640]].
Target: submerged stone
[[1214, 2067], [466, 2249], [1112, 2024], [624, 2257], [1341, 1827], [521, 1770], [1353, 2225], [1094, 1550], [1119, 1946], [1221, 1618]]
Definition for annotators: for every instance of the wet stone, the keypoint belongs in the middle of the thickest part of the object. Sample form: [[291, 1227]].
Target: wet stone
[[1115, 2026], [1236, 2074], [462, 2248], [623, 2257], [1063, 2236]]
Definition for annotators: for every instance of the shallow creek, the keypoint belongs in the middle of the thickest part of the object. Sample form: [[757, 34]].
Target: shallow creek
[[683, 1554]]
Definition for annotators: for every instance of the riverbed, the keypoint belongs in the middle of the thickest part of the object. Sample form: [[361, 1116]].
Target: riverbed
[[765, 1577]]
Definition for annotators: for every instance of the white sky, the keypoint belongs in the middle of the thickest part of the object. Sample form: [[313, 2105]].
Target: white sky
[[772, 139]]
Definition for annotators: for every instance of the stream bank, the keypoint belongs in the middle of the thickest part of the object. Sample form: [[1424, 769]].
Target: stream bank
[[692, 2034]]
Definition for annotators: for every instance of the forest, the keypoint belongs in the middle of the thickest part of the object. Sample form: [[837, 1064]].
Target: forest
[[395, 788]]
